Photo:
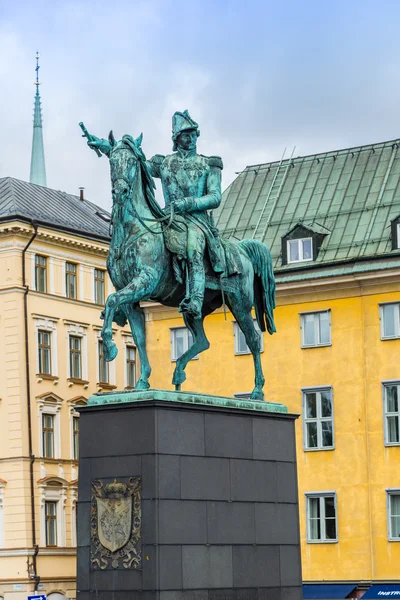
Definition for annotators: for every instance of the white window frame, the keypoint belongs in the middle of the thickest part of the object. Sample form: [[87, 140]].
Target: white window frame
[[320, 496], [48, 324], [398, 235], [390, 492], [237, 332], [300, 247], [129, 343], [317, 343], [58, 494], [77, 279], [73, 413], [2, 522], [319, 419], [385, 385], [396, 324], [104, 285], [34, 286], [78, 330], [50, 404], [173, 331]]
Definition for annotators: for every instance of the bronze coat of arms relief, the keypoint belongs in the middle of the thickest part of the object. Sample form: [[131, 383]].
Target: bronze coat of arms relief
[[115, 524]]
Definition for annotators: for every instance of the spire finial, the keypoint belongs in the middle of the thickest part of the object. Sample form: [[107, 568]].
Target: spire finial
[[37, 83]]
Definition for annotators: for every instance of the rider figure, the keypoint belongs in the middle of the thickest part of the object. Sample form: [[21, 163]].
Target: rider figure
[[191, 183]]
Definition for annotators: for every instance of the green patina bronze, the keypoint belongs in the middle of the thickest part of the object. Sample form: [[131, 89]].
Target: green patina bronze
[[184, 398], [175, 255]]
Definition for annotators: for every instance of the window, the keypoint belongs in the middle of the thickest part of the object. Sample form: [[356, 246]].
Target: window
[[48, 435], [75, 357], [393, 504], [299, 250], [318, 419], [40, 273], [74, 428], [390, 320], [99, 286], [104, 375], [75, 436], [77, 352], [51, 523], [181, 340], [241, 346], [392, 413], [316, 329], [321, 517], [70, 280], [46, 356], [130, 366], [44, 349], [49, 406], [53, 499]]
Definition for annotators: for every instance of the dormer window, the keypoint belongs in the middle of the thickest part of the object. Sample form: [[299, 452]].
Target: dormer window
[[299, 250], [395, 227], [302, 243]]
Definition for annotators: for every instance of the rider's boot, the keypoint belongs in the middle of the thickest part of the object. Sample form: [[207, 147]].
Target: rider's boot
[[193, 304]]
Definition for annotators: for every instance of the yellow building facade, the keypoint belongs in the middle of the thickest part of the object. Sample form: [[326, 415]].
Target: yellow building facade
[[64, 287]]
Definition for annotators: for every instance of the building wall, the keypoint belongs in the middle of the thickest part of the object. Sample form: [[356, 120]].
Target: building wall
[[55, 566], [360, 467]]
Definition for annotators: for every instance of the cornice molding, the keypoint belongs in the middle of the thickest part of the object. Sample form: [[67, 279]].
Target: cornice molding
[[57, 238]]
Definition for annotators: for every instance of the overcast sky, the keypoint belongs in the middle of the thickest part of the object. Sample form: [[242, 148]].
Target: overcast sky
[[258, 76]]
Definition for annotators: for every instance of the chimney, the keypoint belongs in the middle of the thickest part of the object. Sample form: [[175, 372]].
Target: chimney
[[81, 196]]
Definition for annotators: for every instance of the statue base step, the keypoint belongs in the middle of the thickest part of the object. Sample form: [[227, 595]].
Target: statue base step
[[194, 498]]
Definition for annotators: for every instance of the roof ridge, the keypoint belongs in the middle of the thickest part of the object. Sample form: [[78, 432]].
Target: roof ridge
[[327, 153]]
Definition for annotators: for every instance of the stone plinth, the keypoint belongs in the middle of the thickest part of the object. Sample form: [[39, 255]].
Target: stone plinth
[[219, 497]]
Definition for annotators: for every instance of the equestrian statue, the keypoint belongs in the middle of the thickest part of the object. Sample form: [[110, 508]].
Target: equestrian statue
[[175, 255]]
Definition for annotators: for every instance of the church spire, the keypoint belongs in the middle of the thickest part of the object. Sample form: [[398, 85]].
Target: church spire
[[38, 167]]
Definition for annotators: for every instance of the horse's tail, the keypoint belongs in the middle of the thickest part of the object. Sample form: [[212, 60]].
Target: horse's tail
[[264, 283]]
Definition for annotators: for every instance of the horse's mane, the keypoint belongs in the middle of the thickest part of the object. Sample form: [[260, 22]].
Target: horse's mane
[[131, 144]]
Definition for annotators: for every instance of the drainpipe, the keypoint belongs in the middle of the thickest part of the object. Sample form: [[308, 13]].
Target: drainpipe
[[34, 576]]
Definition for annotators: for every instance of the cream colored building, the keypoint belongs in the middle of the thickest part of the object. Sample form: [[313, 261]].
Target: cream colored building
[[53, 311]]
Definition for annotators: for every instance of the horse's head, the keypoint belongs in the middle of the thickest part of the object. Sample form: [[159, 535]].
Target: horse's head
[[123, 166]]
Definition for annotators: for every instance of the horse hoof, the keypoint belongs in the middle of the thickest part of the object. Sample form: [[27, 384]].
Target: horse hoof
[[179, 377], [257, 395], [142, 385], [110, 352]]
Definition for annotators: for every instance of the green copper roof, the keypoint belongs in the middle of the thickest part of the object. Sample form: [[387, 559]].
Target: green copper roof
[[350, 196]]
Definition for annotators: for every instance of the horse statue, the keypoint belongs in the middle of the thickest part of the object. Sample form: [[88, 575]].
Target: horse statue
[[142, 267]]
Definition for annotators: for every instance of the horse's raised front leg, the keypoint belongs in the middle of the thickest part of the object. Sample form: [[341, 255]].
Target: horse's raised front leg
[[136, 290], [200, 343], [136, 321], [245, 321]]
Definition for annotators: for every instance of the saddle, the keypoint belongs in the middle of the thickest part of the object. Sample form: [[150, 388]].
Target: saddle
[[176, 242]]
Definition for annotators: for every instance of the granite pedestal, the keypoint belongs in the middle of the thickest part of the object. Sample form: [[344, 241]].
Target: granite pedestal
[[218, 496]]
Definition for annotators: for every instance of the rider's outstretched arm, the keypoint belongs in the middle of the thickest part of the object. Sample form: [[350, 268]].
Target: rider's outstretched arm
[[103, 145]]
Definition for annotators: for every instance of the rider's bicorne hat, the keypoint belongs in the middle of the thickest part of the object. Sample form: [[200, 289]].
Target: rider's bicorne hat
[[182, 121]]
